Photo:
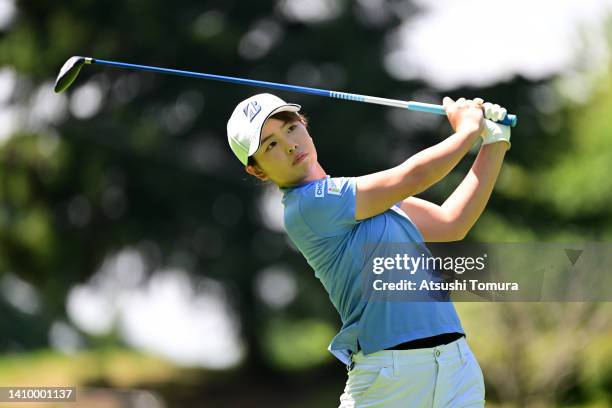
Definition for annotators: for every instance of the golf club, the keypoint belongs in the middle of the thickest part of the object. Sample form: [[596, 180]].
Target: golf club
[[71, 68]]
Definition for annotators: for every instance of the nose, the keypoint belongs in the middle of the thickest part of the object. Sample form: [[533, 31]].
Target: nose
[[292, 148]]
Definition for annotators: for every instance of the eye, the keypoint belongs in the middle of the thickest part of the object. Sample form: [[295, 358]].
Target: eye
[[291, 128], [270, 146]]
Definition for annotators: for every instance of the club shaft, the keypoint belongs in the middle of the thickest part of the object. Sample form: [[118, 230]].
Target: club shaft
[[410, 105]]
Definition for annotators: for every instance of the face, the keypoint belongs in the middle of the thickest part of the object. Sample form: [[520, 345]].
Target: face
[[286, 156]]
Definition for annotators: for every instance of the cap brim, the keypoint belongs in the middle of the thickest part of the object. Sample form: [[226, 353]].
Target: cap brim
[[290, 107]]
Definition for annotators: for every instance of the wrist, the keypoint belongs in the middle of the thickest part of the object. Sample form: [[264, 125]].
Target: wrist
[[470, 129], [469, 133], [497, 140], [495, 133], [500, 147]]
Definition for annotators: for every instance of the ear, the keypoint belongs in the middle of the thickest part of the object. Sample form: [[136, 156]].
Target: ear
[[257, 172]]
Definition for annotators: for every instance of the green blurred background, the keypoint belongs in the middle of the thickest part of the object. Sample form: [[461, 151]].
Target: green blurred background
[[139, 262]]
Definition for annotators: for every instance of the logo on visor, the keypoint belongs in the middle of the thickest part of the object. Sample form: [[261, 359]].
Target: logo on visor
[[251, 110]]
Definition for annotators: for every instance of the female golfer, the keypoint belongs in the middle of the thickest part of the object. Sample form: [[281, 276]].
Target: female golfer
[[398, 353]]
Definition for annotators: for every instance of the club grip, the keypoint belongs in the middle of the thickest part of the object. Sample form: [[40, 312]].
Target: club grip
[[509, 120]]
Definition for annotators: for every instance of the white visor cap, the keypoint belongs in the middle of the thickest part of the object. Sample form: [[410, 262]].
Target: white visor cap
[[247, 120]]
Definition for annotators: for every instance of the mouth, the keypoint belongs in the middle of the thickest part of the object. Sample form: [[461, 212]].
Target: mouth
[[299, 158]]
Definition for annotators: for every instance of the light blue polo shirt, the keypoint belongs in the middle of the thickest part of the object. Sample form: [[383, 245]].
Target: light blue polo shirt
[[320, 220]]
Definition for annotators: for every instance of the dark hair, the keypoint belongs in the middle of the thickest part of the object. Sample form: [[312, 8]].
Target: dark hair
[[285, 116], [288, 116]]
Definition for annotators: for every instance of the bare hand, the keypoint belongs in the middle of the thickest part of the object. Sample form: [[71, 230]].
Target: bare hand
[[465, 115]]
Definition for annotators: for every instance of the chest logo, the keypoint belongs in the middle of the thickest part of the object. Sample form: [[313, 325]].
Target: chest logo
[[319, 189]]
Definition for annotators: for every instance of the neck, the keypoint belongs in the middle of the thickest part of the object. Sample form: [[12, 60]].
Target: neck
[[316, 172]]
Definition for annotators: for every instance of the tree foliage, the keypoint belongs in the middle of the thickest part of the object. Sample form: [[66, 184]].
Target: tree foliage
[[148, 167]]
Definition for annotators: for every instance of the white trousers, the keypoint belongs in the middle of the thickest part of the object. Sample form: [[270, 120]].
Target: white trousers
[[446, 376]]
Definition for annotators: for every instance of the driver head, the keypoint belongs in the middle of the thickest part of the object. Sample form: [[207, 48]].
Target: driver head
[[69, 72]]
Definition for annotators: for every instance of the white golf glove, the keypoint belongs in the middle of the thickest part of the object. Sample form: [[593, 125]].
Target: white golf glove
[[494, 111], [495, 132]]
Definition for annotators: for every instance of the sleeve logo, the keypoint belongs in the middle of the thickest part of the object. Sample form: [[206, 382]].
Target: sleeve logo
[[333, 187]]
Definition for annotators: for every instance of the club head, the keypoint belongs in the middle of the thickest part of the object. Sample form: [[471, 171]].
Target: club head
[[70, 70]]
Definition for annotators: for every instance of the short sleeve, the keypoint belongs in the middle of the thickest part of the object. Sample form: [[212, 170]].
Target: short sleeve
[[328, 206]]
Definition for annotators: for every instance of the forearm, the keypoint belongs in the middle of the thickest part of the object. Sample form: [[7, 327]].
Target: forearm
[[467, 202], [432, 164], [377, 192]]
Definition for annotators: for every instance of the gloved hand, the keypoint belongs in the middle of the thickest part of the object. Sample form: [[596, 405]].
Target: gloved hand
[[494, 111], [494, 132]]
